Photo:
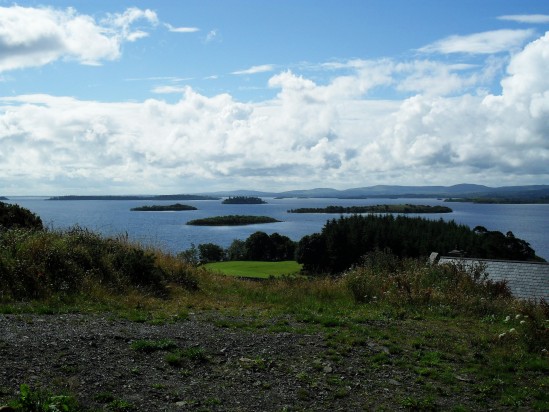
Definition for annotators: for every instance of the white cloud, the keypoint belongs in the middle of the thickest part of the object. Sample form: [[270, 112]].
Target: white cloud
[[255, 69], [526, 18], [182, 29], [309, 134], [480, 43], [169, 89], [31, 37]]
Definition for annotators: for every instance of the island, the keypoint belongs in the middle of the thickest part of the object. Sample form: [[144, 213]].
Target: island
[[134, 197], [3, 198], [163, 208], [232, 220], [407, 208], [243, 200]]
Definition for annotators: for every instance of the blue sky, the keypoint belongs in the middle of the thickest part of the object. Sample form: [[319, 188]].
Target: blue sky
[[187, 96]]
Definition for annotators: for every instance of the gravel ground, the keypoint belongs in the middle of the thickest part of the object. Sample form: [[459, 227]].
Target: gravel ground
[[91, 356]]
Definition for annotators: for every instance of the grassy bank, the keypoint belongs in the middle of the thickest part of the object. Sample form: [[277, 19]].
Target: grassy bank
[[255, 269]]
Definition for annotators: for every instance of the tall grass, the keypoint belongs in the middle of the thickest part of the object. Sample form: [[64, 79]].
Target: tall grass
[[38, 264], [409, 282]]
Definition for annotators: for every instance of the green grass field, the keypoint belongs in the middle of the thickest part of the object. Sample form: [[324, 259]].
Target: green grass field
[[255, 269]]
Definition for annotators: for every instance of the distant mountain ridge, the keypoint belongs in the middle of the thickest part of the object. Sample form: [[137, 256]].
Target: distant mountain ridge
[[464, 190]]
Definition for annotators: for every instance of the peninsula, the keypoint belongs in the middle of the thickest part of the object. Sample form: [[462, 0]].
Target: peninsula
[[407, 208]]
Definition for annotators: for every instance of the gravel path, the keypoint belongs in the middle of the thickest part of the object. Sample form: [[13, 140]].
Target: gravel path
[[92, 357]]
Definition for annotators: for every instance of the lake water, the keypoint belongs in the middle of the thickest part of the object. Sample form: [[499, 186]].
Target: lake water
[[168, 230]]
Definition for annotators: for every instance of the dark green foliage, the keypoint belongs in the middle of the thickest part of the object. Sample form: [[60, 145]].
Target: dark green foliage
[[210, 252], [311, 251], [237, 250], [138, 266], [243, 200], [163, 208], [15, 216], [232, 220], [261, 246], [407, 208], [343, 242]]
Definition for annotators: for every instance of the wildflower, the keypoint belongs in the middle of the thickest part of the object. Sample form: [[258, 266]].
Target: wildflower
[[501, 335], [512, 330], [522, 322], [518, 316], [507, 319]]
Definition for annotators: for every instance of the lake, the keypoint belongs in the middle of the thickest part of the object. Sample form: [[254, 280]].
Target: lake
[[168, 230]]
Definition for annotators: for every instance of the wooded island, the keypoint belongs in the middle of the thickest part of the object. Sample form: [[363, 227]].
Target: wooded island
[[243, 200], [232, 220], [375, 209], [163, 208]]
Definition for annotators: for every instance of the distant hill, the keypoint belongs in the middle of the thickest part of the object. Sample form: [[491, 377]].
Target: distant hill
[[461, 190]]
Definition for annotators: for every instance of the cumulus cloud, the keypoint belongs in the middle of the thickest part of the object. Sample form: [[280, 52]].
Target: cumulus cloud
[[32, 37], [489, 42], [308, 134]]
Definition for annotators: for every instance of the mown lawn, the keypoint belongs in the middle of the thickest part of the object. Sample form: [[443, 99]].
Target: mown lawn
[[256, 269]]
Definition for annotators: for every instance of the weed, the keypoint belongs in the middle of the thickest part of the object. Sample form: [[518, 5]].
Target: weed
[[195, 354], [120, 405], [153, 345], [43, 401], [422, 404]]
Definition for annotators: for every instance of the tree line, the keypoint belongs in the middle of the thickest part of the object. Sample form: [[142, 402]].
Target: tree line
[[344, 241]]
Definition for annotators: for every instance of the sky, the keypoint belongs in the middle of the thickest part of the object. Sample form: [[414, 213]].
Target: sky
[[190, 96]]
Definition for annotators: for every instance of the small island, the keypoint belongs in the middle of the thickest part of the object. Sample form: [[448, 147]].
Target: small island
[[407, 208], [163, 208], [3, 198], [232, 220], [243, 200]]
